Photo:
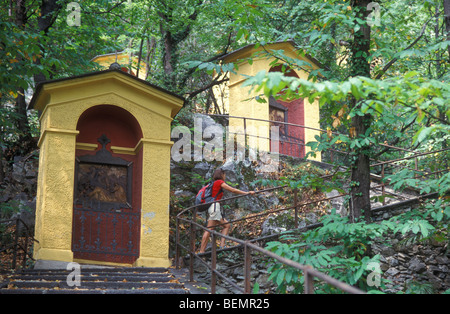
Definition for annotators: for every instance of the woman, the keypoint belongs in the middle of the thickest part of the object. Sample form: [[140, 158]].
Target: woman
[[214, 212]]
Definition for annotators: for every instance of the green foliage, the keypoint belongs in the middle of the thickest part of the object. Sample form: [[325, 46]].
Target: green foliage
[[439, 210], [406, 96], [19, 50], [8, 209], [415, 287], [305, 176], [388, 101], [340, 249]]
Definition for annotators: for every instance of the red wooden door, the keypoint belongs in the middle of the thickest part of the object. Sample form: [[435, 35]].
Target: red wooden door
[[106, 225], [102, 234], [288, 117]]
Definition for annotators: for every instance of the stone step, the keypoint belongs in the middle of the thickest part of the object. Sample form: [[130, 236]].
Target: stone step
[[127, 270], [95, 280], [134, 275], [39, 284], [90, 291], [90, 277]]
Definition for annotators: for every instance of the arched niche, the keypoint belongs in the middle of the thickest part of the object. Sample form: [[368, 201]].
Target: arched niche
[[108, 186], [292, 138], [122, 127]]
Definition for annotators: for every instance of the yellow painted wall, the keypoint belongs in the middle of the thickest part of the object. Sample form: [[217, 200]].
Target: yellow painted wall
[[62, 103], [242, 103], [124, 60], [54, 201]]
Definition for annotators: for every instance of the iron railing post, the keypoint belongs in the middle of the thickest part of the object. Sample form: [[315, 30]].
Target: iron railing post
[[416, 167], [16, 244], [191, 250], [177, 241], [247, 268], [245, 133], [296, 207], [309, 284], [213, 263], [25, 250], [383, 186]]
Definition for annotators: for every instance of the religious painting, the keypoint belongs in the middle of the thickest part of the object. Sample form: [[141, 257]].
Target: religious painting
[[276, 114], [102, 183]]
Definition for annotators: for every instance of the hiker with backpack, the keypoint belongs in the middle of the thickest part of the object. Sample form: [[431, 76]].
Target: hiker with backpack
[[213, 193]]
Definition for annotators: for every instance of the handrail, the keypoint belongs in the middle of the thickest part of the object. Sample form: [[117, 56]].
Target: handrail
[[383, 164], [272, 121], [228, 199], [16, 245], [410, 157], [416, 154], [309, 272]]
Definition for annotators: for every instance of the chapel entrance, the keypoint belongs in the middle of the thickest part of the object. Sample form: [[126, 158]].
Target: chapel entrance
[[291, 113], [103, 189], [106, 215]]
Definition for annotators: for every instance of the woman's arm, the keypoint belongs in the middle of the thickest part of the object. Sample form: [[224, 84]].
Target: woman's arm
[[233, 190]]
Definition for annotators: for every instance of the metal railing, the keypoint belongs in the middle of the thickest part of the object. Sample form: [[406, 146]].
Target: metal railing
[[15, 247], [248, 245], [288, 144], [334, 150], [417, 172]]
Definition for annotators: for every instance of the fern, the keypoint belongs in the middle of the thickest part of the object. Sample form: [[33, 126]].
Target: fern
[[340, 249]]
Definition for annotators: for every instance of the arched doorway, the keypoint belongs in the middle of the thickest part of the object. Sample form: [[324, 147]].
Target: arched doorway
[[291, 138], [107, 187]]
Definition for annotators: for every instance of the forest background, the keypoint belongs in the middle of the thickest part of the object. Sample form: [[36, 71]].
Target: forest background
[[384, 78]]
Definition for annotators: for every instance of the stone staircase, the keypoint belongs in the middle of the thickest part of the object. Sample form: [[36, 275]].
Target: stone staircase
[[92, 281]]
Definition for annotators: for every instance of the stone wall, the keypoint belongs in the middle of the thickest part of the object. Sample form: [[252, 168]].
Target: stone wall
[[18, 190], [406, 267], [412, 263], [417, 264]]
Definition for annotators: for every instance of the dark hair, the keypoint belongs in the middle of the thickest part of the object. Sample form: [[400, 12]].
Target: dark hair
[[218, 174]]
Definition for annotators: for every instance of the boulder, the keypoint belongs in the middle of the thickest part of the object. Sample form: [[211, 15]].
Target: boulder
[[417, 266]]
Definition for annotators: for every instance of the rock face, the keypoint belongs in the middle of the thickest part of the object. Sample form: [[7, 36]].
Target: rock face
[[189, 177], [18, 190], [414, 266], [406, 266]]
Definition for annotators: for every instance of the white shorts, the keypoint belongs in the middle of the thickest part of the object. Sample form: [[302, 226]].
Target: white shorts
[[214, 212]]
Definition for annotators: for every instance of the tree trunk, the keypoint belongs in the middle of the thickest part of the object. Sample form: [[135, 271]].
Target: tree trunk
[[360, 178], [171, 39], [21, 105], [168, 52], [447, 22], [49, 10], [2, 172], [151, 44], [360, 185]]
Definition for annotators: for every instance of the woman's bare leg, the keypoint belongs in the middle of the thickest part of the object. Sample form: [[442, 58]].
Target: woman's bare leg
[[225, 230], [205, 238]]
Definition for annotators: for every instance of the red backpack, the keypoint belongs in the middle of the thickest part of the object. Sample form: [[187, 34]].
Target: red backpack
[[204, 196]]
